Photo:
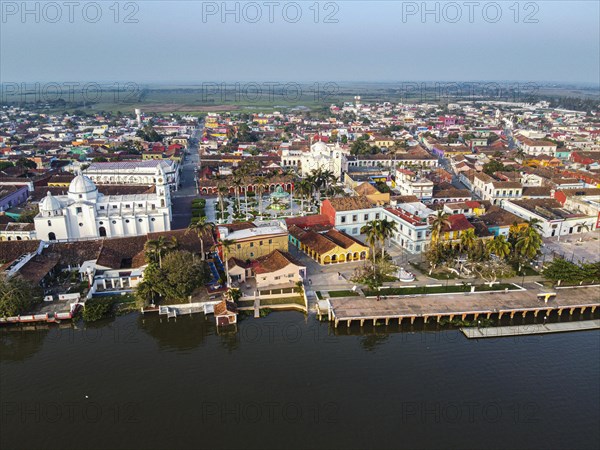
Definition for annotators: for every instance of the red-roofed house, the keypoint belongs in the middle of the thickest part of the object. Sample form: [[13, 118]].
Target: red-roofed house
[[458, 225]]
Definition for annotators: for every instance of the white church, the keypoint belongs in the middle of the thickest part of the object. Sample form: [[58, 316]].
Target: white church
[[325, 157], [84, 213]]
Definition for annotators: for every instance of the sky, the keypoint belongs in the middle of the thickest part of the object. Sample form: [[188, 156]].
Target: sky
[[306, 41]]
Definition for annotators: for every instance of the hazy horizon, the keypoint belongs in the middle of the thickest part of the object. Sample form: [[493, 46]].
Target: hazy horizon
[[346, 42]]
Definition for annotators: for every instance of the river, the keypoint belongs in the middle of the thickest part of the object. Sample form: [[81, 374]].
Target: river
[[288, 381]]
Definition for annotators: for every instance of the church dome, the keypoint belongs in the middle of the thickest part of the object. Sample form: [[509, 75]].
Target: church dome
[[50, 203], [320, 146], [81, 185]]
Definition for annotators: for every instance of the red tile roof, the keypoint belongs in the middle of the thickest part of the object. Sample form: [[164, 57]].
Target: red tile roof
[[458, 222]]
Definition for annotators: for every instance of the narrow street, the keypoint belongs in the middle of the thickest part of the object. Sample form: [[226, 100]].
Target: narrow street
[[181, 200]]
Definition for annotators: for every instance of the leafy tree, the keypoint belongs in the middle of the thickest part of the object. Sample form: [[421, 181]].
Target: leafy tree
[[25, 163], [148, 133], [29, 214], [234, 294], [16, 296], [180, 274], [382, 187], [562, 270], [5, 164], [493, 166]]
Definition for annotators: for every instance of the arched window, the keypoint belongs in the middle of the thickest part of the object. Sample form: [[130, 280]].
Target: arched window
[[102, 231], [51, 236]]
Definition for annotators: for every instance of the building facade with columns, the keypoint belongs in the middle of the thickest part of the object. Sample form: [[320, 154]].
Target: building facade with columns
[[134, 172]]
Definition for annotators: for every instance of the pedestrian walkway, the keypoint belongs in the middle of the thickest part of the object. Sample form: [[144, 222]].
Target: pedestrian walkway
[[521, 330]]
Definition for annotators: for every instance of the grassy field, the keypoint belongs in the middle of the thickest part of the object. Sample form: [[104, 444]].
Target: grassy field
[[282, 301], [202, 97]]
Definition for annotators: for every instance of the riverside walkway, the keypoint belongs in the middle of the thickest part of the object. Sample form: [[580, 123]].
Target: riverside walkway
[[535, 328], [349, 309]]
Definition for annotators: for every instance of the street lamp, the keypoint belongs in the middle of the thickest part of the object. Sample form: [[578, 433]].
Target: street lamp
[[545, 317]]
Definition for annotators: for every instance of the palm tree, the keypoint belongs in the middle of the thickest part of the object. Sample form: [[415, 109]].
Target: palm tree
[[259, 182], [316, 179], [160, 246], [234, 294], [439, 223], [386, 229], [467, 240], [371, 229], [499, 246], [582, 226], [304, 190], [222, 191], [327, 177], [200, 227], [534, 223], [226, 246], [528, 244], [238, 184]]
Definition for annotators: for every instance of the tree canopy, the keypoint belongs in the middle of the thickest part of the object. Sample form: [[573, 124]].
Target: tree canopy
[[16, 296], [180, 274]]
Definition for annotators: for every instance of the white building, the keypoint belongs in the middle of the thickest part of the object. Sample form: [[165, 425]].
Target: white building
[[84, 213], [496, 191], [134, 172], [412, 227], [291, 157], [410, 183], [555, 220], [536, 147], [324, 157]]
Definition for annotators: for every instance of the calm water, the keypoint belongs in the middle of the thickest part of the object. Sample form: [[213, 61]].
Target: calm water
[[288, 381]]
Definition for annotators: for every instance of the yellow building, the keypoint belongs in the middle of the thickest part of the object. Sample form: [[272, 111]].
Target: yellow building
[[373, 194], [152, 155], [333, 247], [250, 241], [386, 142]]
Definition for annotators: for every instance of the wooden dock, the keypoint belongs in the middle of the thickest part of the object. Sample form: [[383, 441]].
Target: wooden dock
[[523, 330], [472, 305]]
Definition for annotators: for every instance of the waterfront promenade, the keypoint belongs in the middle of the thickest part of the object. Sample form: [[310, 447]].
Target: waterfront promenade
[[511, 303], [534, 328]]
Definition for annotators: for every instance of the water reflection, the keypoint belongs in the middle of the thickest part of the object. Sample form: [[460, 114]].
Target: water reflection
[[21, 343], [371, 341], [183, 333]]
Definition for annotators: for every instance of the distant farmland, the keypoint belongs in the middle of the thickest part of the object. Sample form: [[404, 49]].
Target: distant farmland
[[265, 96]]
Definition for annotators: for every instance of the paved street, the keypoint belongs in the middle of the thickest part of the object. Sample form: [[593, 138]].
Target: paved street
[[182, 198], [580, 247]]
